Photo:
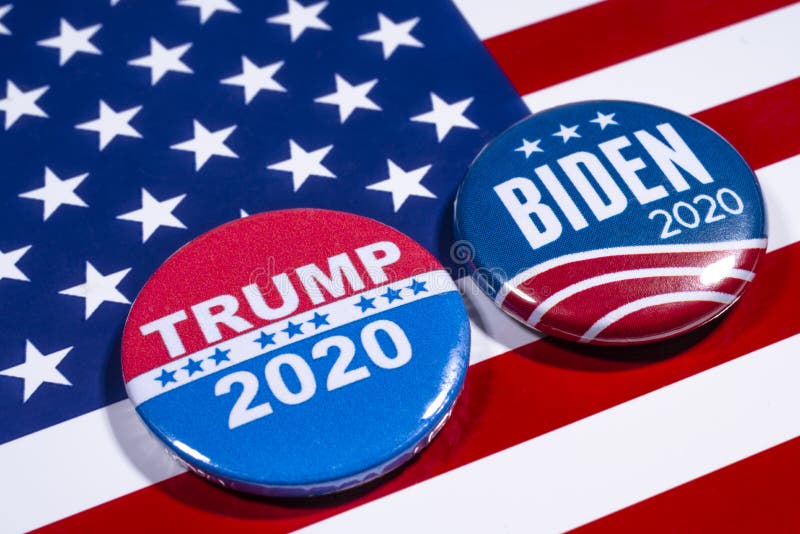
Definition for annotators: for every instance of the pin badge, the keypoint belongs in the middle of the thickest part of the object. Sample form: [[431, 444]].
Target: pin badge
[[612, 222], [296, 352]]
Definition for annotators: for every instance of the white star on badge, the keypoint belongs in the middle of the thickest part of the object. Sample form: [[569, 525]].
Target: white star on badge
[[8, 264], [393, 34], [163, 60], [254, 79], [303, 164], [350, 97], [18, 103], [57, 192], [154, 214], [98, 288], [529, 147], [209, 7], [402, 184], [3, 10], [567, 133], [604, 120], [243, 214], [70, 41], [447, 116], [299, 18], [112, 123], [114, 2], [205, 144], [38, 369]]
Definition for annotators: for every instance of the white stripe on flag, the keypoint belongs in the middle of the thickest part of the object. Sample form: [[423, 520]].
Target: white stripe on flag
[[745, 58], [618, 457], [493, 332], [500, 16], [780, 183], [79, 463]]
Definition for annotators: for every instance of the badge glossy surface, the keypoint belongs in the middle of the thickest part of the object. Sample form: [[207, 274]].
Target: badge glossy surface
[[296, 352], [611, 222]]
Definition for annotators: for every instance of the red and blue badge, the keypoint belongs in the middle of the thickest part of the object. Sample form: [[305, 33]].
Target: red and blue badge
[[296, 352], [611, 222]]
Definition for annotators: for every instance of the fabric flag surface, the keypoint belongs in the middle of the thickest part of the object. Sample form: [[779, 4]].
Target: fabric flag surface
[[130, 127]]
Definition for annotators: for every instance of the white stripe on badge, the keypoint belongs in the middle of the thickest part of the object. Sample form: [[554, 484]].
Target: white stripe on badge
[[695, 74], [246, 346], [716, 270], [527, 274], [647, 302], [601, 464]]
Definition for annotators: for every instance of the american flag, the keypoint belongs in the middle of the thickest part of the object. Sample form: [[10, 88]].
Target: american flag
[[130, 127]]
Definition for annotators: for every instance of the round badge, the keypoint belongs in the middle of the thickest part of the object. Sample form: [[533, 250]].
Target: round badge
[[611, 222], [296, 352]]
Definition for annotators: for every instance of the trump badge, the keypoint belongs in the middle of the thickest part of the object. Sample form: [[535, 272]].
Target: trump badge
[[296, 352]]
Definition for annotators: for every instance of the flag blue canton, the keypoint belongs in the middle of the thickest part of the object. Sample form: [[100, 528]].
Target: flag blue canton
[[131, 127]]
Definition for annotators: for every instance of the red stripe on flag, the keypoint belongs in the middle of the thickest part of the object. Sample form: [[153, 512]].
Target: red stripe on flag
[[508, 399], [588, 39], [758, 494], [762, 126]]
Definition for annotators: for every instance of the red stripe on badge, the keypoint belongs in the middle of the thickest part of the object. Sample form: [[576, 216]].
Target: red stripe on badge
[[588, 39], [758, 494], [568, 273], [533, 292], [507, 400], [214, 267]]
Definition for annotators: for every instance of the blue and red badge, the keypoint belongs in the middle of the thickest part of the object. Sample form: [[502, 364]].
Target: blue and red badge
[[611, 222], [296, 352]]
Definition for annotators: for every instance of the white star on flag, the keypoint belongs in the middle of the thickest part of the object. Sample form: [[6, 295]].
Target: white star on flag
[[350, 97], [3, 10], [299, 18], [402, 184], [254, 79], [38, 369], [205, 144], [209, 7], [154, 214], [163, 60], [18, 103], [567, 133], [303, 164], [57, 192], [447, 116], [8, 264], [604, 120], [98, 288], [70, 41], [529, 147], [112, 123], [393, 34]]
